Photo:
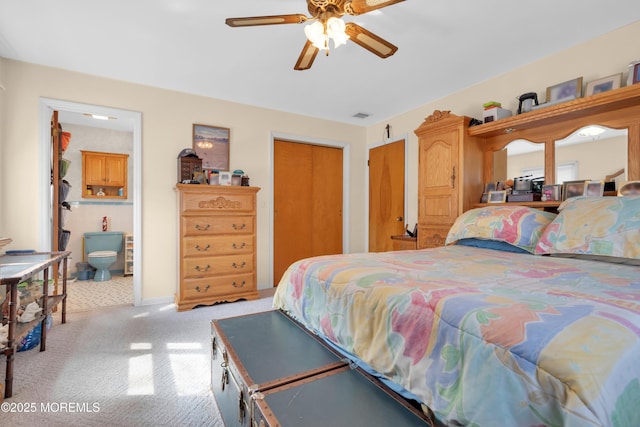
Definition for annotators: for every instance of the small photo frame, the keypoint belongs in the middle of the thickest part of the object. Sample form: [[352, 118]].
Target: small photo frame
[[552, 192], [224, 178], [572, 189], [594, 188], [571, 89], [490, 186], [497, 196], [484, 198], [604, 84], [634, 73], [629, 188], [211, 144]]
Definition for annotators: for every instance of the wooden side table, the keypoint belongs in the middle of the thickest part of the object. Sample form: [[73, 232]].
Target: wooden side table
[[404, 243]]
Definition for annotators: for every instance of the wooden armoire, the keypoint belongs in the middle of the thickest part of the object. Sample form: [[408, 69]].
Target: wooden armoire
[[450, 175]]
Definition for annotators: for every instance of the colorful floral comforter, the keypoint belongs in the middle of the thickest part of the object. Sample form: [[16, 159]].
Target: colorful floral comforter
[[484, 337]]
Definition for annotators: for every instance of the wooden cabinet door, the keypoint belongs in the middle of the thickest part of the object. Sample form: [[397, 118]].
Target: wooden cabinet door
[[438, 185], [94, 167], [115, 170]]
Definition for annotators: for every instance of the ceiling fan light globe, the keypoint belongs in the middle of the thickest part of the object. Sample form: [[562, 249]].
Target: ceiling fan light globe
[[336, 31], [314, 32]]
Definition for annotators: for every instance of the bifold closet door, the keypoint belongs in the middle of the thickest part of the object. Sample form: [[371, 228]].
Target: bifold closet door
[[307, 203]]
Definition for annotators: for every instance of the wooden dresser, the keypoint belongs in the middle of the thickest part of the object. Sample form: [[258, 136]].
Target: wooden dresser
[[217, 239], [450, 171]]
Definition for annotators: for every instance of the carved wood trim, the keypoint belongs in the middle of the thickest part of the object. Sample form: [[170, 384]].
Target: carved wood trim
[[438, 115], [220, 203]]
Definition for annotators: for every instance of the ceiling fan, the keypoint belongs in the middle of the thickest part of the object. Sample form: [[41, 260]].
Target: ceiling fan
[[328, 25]]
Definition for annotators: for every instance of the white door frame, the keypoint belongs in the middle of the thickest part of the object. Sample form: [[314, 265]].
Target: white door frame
[[46, 107]]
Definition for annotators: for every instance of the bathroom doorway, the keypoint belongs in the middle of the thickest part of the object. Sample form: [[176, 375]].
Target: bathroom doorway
[[123, 129]]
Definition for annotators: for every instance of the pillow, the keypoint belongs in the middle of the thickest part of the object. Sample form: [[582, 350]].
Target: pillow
[[491, 244], [602, 226], [519, 226]]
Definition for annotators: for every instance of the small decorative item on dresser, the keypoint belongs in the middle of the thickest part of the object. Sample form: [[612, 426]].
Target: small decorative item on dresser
[[634, 73]]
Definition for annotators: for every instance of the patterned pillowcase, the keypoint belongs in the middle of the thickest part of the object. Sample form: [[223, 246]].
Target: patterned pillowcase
[[519, 226], [602, 226]]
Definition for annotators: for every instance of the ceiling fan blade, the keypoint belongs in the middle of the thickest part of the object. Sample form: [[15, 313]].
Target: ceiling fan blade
[[266, 20], [370, 41], [307, 56], [358, 7]]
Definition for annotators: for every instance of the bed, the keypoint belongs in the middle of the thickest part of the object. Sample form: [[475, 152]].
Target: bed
[[525, 318]]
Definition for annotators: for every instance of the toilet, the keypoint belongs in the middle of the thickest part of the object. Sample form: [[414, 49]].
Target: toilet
[[101, 250]]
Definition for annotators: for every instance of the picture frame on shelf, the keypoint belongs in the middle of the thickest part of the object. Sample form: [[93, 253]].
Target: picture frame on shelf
[[211, 144], [633, 75], [224, 178], [552, 192], [629, 188], [594, 188], [604, 84], [497, 196], [572, 189], [636, 74], [571, 89]]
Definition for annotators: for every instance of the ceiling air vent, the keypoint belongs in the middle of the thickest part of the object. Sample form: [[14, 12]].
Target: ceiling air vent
[[361, 115]]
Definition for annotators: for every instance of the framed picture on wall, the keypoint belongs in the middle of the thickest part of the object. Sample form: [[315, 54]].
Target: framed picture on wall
[[211, 144]]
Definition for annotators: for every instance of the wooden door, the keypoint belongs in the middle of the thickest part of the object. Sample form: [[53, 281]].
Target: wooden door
[[439, 180], [386, 195], [307, 203]]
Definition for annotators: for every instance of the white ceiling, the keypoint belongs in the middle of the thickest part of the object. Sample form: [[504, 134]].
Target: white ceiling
[[184, 45]]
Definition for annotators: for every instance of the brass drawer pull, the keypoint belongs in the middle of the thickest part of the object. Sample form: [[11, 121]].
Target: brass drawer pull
[[239, 247], [206, 248], [235, 285], [241, 227], [202, 228], [198, 268], [206, 288], [234, 265]]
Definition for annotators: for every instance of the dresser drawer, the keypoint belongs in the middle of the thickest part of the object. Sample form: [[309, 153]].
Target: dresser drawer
[[217, 245], [203, 288], [205, 225], [218, 265], [225, 202]]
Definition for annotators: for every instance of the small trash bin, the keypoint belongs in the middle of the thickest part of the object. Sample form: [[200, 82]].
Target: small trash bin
[[85, 271]]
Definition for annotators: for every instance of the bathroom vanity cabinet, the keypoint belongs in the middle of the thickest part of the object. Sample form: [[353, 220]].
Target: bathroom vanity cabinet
[[217, 244]]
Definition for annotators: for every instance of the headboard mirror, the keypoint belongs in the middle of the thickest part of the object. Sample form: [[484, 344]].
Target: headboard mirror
[[580, 156]]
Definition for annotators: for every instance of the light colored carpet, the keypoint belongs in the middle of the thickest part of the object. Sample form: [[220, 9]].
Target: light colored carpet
[[83, 295], [122, 366]]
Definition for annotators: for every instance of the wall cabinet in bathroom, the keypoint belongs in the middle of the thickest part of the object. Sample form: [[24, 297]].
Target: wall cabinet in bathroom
[[106, 172]]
